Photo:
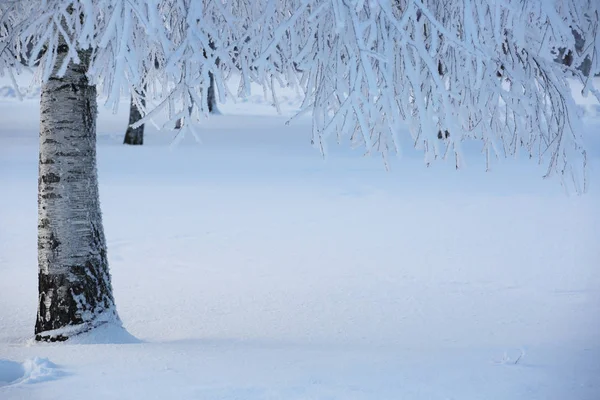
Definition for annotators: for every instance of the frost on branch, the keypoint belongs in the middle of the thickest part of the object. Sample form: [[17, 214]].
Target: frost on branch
[[478, 69], [483, 70]]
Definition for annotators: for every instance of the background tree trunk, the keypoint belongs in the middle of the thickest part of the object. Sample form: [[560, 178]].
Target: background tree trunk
[[75, 292], [134, 136], [210, 97]]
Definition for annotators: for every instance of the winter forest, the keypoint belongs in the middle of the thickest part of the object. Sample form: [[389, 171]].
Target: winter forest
[[300, 199]]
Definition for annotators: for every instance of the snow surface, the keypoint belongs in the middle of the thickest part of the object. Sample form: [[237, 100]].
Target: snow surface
[[249, 267], [33, 370]]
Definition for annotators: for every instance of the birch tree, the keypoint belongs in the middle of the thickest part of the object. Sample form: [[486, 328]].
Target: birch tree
[[72, 44]]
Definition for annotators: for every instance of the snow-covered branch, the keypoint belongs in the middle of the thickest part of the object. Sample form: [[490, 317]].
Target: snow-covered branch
[[460, 70]]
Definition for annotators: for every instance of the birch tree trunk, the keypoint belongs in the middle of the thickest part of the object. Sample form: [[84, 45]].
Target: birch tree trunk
[[75, 292], [134, 136]]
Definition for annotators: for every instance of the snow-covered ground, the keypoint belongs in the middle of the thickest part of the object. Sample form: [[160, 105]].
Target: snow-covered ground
[[247, 267]]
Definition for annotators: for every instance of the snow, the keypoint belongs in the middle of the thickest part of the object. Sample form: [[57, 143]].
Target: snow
[[249, 267], [34, 370]]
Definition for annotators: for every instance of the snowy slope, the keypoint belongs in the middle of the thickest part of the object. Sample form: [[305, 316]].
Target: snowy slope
[[250, 268]]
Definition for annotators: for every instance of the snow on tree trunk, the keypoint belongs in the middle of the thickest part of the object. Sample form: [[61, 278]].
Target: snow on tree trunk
[[134, 136], [75, 292]]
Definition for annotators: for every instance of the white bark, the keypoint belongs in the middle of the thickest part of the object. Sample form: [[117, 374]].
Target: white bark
[[75, 292]]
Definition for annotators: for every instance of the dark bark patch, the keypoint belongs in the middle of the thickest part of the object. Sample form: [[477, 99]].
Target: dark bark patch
[[70, 154], [500, 71], [53, 242], [49, 338], [62, 49], [51, 195], [444, 135], [50, 178], [59, 307]]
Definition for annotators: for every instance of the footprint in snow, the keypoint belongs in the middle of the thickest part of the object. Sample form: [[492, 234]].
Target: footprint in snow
[[30, 371]]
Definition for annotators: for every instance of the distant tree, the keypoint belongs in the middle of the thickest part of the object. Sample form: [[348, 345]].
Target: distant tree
[[211, 100], [134, 136], [481, 69]]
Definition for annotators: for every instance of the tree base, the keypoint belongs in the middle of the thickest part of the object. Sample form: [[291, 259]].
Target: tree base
[[50, 338], [134, 136], [68, 332], [105, 332]]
